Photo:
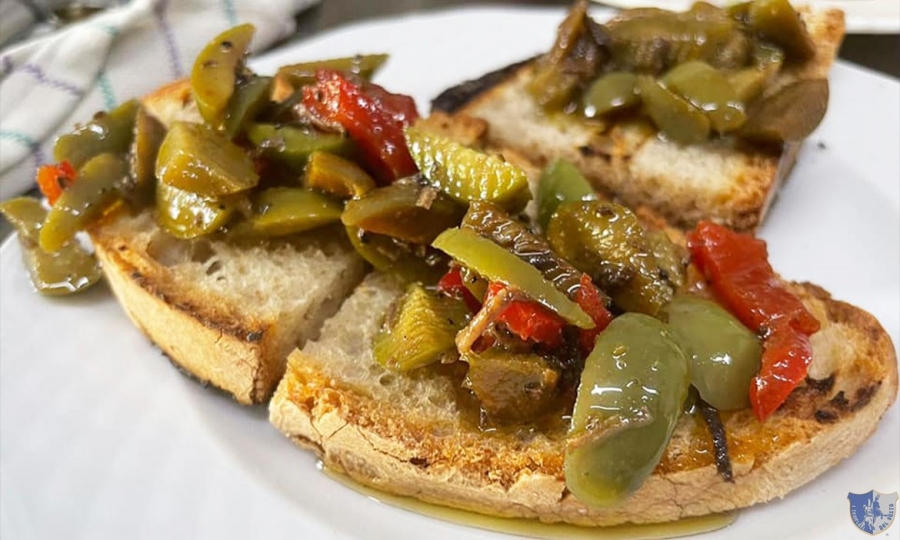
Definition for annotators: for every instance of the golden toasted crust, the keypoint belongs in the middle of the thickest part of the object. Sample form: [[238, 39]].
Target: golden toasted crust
[[718, 180], [386, 445]]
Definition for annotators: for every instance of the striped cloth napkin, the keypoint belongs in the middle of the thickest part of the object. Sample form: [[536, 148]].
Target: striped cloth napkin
[[49, 84]]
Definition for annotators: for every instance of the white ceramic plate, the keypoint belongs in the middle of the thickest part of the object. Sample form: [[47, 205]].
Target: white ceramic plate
[[100, 437], [861, 16]]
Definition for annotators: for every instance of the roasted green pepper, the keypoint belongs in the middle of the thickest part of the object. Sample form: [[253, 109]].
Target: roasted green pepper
[[281, 211], [497, 264], [424, 330], [465, 174], [336, 176], [512, 387], [184, 214], [404, 210], [293, 145], [673, 115], [390, 256], [613, 91], [777, 21], [251, 96], [791, 114], [725, 355], [90, 195], [707, 89], [110, 132], [216, 70], [304, 73], [148, 136], [560, 182], [630, 397], [68, 270], [606, 241], [197, 159]]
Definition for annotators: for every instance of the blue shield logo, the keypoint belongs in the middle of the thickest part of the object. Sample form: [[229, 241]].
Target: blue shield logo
[[872, 512]]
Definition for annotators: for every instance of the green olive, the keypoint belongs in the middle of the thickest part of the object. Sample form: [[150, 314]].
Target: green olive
[[281, 211], [293, 145], [107, 132], [336, 176], [251, 96], [404, 210], [707, 89], [560, 182], [68, 270], [606, 241], [725, 355], [424, 329], [613, 91], [216, 69], [673, 115], [630, 397], [195, 158], [90, 195], [185, 214]]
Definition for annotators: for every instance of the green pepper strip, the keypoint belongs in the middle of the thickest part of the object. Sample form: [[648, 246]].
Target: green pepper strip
[[495, 263]]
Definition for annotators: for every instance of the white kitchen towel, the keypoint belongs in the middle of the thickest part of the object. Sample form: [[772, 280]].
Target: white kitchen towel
[[50, 84]]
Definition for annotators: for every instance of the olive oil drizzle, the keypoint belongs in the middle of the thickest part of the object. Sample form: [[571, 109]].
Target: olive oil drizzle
[[535, 529]]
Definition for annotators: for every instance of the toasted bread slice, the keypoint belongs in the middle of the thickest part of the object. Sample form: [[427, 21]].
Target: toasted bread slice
[[718, 180], [408, 434], [227, 314]]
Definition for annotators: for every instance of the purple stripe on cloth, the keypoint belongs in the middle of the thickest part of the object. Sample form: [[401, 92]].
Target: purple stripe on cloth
[[168, 38], [35, 71], [7, 65]]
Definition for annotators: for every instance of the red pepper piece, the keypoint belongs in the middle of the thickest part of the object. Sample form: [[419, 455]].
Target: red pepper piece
[[52, 180], [372, 116], [589, 299], [452, 285], [787, 354], [529, 320], [739, 272]]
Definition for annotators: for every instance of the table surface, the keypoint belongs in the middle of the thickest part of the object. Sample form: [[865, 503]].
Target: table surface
[[877, 52]]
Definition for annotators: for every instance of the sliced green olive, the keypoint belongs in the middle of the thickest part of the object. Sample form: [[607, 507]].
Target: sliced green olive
[[281, 211], [423, 331], [148, 136], [512, 387], [725, 355], [110, 132], [606, 241], [336, 176], [90, 195], [791, 114], [630, 397], [466, 174], [613, 91], [560, 182], [707, 89], [497, 264], [778, 21], [404, 210], [304, 73], [386, 254], [68, 270], [216, 69], [250, 97], [294, 145], [185, 214], [196, 158], [673, 115]]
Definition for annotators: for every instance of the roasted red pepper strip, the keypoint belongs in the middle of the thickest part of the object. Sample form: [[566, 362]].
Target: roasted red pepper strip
[[52, 180], [529, 320], [372, 116], [737, 268], [452, 285], [589, 299]]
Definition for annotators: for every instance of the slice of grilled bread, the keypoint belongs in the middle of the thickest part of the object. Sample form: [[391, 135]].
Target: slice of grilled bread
[[227, 314], [718, 180], [409, 434]]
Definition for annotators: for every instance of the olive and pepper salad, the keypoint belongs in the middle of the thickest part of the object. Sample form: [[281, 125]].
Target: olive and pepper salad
[[584, 308], [695, 75]]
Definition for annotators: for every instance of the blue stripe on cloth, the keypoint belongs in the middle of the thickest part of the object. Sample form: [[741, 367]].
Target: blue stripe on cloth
[[33, 146], [109, 98], [168, 38], [230, 12]]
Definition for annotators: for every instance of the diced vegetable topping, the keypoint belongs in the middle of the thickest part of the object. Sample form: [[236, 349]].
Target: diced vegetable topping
[[53, 179]]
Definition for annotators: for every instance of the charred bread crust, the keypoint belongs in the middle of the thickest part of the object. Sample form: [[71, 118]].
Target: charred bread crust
[[382, 445], [629, 162]]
